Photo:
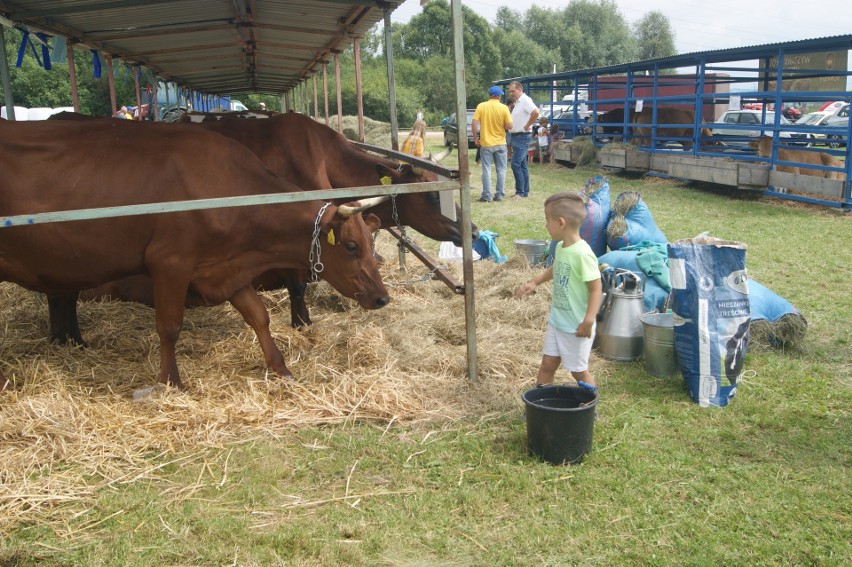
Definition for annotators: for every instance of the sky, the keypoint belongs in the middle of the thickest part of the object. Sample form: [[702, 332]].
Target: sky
[[707, 24]]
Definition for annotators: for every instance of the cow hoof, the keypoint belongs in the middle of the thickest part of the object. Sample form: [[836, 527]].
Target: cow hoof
[[174, 383], [286, 374], [69, 341]]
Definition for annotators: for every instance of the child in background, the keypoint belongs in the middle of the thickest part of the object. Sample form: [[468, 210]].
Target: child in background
[[543, 136], [414, 143], [577, 293]]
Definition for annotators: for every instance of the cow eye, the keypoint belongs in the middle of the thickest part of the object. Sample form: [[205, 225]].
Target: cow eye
[[350, 246]]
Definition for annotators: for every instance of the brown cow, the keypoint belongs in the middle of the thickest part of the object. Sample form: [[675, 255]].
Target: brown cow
[[763, 145], [312, 156], [57, 165], [642, 134], [610, 123]]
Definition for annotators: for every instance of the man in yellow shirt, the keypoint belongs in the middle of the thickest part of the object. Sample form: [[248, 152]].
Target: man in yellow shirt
[[490, 122]]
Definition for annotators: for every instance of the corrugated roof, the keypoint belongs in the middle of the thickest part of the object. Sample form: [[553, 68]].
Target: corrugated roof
[[212, 46], [691, 59]]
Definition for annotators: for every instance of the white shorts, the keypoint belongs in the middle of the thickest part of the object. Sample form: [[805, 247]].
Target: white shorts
[[573, 350]]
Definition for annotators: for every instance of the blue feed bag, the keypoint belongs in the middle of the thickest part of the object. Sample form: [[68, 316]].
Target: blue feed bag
[[598, 208], [712, 313]]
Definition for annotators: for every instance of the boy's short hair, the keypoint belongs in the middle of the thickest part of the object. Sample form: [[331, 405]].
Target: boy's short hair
[[567, 205]]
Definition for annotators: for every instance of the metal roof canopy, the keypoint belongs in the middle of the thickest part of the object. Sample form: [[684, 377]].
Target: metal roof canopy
[[225, 47], [693, 59]]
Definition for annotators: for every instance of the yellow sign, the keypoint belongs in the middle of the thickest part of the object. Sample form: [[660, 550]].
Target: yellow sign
[[809, 64]]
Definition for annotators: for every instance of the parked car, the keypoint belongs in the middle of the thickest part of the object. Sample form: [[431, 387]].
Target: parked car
[[451, 130], [831, 106], [752, 128], [839, 119], [814, 119]]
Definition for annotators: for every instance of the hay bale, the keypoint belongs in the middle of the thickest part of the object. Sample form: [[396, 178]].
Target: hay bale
[[588, 152], [375, 133], [788, 332]]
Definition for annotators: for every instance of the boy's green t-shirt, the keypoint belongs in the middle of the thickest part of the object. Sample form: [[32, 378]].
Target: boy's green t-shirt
[[573, 267]]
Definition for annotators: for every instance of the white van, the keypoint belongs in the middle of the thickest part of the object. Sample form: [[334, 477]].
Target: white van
[[237, 105]]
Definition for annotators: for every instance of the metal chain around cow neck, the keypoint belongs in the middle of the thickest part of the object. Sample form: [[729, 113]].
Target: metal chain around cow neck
[[317, 267], [403, 236]]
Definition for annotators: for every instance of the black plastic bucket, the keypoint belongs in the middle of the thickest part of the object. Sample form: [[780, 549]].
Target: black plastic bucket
[[560, 422]]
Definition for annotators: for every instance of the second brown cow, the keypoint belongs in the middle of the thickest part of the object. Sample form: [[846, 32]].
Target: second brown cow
[[764, 149], [682, 134]]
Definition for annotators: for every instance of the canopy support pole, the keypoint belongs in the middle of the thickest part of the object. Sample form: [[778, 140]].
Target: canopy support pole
[[72, 75], [359, 101], [6, 78], [111, 81], [136, 71], [339, 93], [391, 84], [325, 90], [464, 173], [316, 100]]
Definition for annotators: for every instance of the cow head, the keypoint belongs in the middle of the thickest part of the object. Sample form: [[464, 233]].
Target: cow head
[[762, 145], [346, 253], [420, 211]]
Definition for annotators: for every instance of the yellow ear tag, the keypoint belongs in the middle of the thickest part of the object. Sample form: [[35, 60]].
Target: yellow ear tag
[[386, 180], [331, 239]]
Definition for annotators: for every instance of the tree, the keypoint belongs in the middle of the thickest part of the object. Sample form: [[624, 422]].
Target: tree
[[428, 35], [523, 56], [508, 20], [654, 36], [597, 35]]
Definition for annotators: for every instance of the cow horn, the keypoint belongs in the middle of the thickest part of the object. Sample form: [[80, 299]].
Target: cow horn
[[363, 204], [442, 155]]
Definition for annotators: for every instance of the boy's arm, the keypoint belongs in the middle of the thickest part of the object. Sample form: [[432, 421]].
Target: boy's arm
[[474, 130], [529, 286], [595, 294]]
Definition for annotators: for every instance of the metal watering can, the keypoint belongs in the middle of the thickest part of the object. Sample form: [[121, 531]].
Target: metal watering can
[[620, 335]]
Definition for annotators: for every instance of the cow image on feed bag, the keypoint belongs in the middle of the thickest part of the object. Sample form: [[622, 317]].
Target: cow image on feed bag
[[710, 301]]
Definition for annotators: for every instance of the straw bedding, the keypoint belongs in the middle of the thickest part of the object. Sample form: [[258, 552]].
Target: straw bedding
[[74, 421]]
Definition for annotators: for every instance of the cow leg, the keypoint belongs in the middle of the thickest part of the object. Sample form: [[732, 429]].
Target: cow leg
[[169, 300], [254, 313], [299, 316], [62, 314]]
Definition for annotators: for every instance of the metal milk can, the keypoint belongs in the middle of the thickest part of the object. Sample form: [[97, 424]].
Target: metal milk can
[[620, 335]]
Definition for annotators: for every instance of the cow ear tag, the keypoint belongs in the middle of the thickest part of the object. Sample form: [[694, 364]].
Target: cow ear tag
[[331, 239], [386, 180]]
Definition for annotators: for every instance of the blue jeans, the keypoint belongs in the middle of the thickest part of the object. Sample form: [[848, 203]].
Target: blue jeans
[[520, 142], [497, 156]]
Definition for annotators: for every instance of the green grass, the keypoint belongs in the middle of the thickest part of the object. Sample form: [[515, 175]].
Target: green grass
[[764, 481]]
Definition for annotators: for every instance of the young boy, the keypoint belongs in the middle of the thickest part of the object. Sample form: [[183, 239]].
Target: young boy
[[576, 293]]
